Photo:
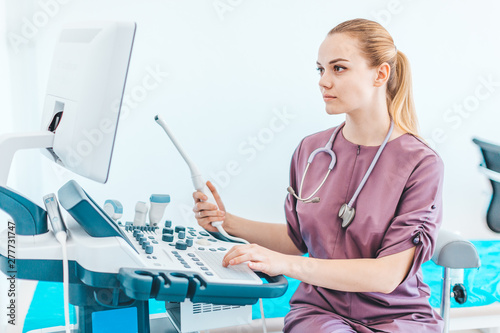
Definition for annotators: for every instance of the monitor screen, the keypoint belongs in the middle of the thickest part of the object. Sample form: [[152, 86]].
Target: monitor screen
[[84, 95]]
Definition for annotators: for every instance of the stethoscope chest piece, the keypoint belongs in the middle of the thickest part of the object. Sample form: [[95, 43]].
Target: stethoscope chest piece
[[346, 213]]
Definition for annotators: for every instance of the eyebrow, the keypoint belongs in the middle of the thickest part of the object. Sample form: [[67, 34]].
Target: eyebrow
[[333, 61]]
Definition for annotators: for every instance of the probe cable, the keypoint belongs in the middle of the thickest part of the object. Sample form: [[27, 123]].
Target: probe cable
[[61, 237]]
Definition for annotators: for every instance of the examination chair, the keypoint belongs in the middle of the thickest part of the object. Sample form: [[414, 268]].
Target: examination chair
[[446, 254], [491, 169], [452, 250]]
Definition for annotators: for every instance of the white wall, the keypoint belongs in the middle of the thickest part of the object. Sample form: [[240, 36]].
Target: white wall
[[227, 67]]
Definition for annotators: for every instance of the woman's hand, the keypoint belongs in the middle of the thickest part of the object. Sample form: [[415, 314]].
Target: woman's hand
[[260, 259], [206, 213]]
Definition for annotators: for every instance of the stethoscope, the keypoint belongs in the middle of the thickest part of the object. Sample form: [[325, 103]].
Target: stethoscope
[[346, 212]]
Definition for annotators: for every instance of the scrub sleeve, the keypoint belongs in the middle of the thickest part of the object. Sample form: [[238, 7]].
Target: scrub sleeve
[[418, 211]]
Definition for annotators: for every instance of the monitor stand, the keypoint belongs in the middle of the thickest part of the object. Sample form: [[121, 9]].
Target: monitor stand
[[11, 143]]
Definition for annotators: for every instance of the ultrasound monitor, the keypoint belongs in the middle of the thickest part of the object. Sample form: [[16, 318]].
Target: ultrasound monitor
[[84, 95]]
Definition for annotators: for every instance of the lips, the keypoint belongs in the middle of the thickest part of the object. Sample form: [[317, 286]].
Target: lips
[[328, 97]]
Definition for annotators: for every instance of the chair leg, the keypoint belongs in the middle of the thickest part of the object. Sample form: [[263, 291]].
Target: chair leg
[[445, 299]]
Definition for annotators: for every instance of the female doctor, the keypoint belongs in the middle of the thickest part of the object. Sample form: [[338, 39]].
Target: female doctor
[[370, 223]]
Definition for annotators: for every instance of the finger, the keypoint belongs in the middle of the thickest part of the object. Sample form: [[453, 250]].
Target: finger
[[204, 206], [242, 253], [199, 196], [216, 195], [213, 213], [240, 259], [206, 223], [205, 217], [261, 267], [200, 214], [256, 265], [233, 252]]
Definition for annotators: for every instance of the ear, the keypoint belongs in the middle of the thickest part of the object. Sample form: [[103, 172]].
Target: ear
[[383, 73]]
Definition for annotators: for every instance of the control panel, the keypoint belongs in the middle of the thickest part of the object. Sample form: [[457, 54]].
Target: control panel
[[187, 249], [158, 260]]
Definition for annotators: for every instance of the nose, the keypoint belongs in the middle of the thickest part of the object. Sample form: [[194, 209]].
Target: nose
[[325, 81]]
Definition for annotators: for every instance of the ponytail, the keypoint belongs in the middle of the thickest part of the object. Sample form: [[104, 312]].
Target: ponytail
[[400, 99]]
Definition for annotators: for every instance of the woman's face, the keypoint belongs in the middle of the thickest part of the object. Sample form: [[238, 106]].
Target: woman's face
[[347, 82]]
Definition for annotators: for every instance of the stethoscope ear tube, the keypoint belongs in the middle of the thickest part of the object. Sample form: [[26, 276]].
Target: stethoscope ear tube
[[313, 200]]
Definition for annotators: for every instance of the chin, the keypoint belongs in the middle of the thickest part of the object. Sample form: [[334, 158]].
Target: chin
[[333, 111]]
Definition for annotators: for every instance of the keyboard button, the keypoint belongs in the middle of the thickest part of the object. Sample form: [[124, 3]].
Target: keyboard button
[[168, 231], [180, 245], [167, 238], [203, 242]]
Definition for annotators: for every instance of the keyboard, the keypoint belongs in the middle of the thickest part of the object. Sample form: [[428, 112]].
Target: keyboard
[[187, 249], [214, 261]]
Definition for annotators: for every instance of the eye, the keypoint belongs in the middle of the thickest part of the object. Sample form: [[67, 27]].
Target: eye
[[337, 68], [320, 70]]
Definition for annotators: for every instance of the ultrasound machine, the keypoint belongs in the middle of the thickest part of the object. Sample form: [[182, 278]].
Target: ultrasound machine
[[106, 262]]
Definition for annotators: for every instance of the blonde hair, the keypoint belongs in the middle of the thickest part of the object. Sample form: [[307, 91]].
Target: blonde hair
[[377, 46]]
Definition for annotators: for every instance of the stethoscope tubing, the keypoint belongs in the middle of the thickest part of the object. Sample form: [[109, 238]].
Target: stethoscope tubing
[[372, 165], [329, 150]]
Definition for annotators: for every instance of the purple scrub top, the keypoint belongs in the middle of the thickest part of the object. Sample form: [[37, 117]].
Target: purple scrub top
[[399, 207]]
